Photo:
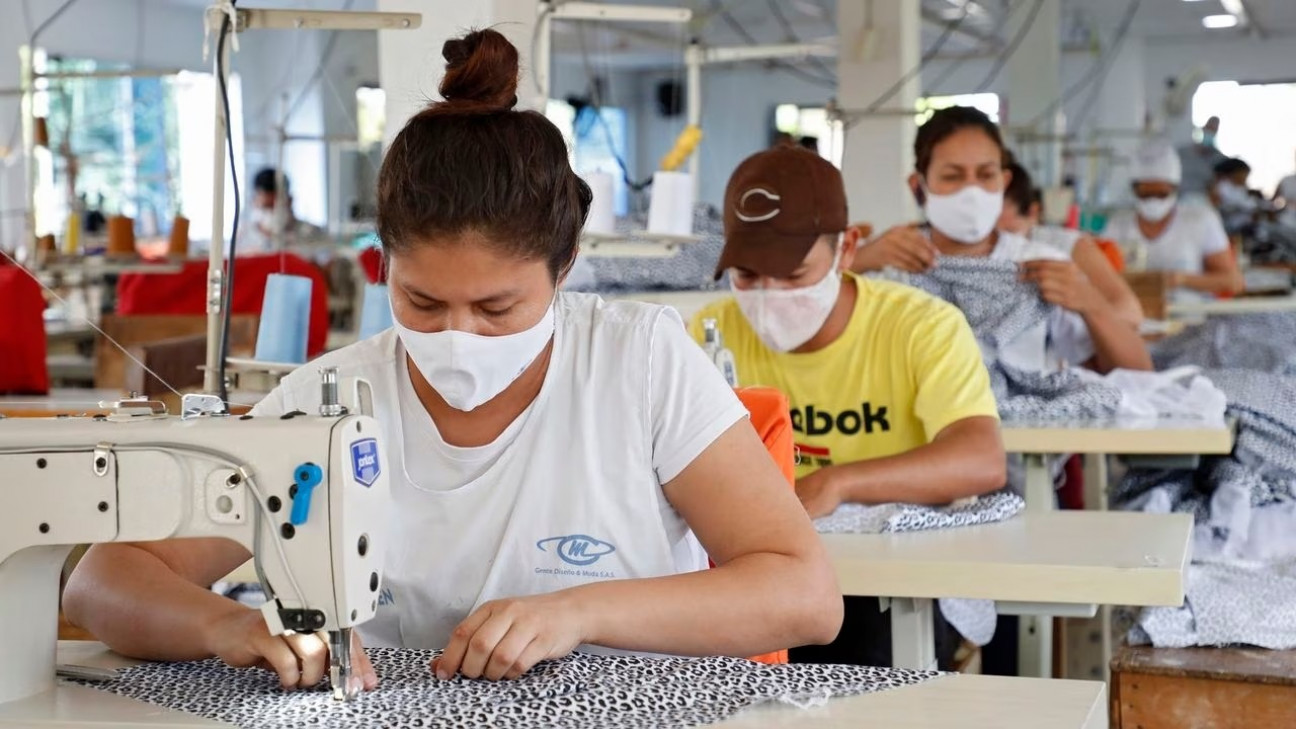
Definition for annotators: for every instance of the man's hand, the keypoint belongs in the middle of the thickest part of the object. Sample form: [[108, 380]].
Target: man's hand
[[820, 493]]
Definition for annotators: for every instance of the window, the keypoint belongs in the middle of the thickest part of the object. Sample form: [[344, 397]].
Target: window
[[1257, 123], [597, 142], [371, 115], [140, 147], [987, 103]]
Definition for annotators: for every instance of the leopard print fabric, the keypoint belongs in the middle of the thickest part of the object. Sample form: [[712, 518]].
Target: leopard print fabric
[[861, 519], [578, 691]]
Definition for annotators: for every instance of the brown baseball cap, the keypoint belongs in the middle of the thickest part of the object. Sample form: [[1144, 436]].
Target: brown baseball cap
[[777, 204]]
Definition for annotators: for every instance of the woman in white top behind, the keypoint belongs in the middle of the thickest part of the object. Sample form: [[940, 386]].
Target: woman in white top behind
[[1184, 239], [562, 467], [959, 181], [1021, 215]]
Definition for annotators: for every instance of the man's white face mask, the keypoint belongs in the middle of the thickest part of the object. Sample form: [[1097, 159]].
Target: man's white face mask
[[785, 319]]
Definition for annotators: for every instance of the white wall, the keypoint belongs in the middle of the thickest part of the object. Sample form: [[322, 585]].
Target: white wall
[[737, 119]]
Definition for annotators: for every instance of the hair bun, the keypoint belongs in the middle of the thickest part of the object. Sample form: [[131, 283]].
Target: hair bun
[[481, 72]]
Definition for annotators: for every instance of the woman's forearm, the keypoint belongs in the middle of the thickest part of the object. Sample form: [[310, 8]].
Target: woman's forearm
[[1116, 344], [132, 601], [748, 606], [1221, 282]]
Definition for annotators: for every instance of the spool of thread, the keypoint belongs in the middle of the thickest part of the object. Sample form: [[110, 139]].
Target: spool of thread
[[375, 313], [671, 209], [178, 246], [285, 319], [72, 236], [45, 244], [121, 236], [602, 212]]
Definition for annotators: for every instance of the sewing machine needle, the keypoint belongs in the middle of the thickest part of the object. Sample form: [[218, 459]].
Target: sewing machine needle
[[344, 687]]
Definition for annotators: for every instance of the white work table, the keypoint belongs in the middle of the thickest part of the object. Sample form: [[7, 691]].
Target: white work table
[[1037, 563], [1227, 307], [1037, 441], [948, 702]]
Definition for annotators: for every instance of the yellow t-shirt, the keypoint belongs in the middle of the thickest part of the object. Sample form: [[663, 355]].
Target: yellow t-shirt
[[906, 367]]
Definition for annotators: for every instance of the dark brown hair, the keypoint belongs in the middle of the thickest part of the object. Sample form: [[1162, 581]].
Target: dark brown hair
[[472, 163], [943, 124], [1021, 192]]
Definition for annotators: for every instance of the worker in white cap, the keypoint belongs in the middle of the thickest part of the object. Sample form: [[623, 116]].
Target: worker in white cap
[[1185, 240]]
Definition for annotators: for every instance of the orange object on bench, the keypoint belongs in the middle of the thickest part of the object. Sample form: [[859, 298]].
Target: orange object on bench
[[772, 420]]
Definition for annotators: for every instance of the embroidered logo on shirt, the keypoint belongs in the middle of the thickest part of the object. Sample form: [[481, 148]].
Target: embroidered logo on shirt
[[364, 461], [807, 455], [576, 549], [811, 421]]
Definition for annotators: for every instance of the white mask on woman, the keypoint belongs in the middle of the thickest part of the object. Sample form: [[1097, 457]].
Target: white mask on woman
[[967, 216], [468, 370], [1155, 209], [785, 319]]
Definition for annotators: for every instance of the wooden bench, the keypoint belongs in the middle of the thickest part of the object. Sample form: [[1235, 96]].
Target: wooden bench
[[1191, 688]]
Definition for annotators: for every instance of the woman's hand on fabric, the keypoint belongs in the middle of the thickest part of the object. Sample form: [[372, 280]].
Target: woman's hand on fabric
[[1062, 283], [820, 492], [241, 639], [505, 638], [903, 247]]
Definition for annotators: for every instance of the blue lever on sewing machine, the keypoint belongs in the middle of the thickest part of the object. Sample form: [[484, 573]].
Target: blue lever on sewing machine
[[307, 476]]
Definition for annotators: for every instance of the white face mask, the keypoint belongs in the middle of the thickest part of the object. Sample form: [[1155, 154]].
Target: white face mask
[[785, 319], [1155, 209], [967, 216], [270, 219], [468, 370]]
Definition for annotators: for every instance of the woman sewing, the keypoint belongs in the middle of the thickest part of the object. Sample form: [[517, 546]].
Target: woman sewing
[[513, 414]]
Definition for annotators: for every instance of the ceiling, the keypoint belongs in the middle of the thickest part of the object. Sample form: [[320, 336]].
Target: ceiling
[[720, 23]]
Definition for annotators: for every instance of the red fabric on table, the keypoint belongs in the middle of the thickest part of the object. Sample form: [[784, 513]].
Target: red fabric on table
[[186, 292], [23, 370]]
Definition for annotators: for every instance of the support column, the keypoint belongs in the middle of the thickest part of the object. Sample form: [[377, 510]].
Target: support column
[[1121, 123], [880, 43], [1034, 84], [410, 65]]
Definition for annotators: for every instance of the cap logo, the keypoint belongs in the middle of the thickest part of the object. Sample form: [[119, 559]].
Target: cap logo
[[762, 217]]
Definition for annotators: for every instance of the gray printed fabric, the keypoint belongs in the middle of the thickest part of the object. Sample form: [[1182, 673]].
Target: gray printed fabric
[[862, 519], [578, 691], [1257, 342], [1242, 582], [691, 269], [1000, 307]]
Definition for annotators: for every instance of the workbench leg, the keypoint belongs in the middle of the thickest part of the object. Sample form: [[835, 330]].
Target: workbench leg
[[1035, 646], [1039, 483], [913, 637], [1095, 482], [1105, 615]]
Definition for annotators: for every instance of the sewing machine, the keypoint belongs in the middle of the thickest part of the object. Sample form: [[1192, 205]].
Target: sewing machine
[[306, 494]]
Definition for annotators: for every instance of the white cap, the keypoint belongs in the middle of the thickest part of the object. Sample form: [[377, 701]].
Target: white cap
[[1157, 162]]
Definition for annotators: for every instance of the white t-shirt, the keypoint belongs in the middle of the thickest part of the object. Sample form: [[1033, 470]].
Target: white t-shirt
[[569, 494], [1061, 341], [1287, 191], [1194, 232], [1063, 239]]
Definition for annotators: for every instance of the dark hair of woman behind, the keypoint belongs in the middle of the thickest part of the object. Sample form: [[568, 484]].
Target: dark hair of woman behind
[[943, 124]]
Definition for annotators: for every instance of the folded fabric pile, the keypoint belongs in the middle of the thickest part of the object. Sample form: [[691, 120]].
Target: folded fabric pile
[[1242, 582], [578, 691], [862, 519], [692, 268]]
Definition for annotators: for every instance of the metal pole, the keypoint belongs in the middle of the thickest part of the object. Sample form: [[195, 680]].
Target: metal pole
[[542, 61], [26, 58], [281, 192], [216, 251], [693, 59]]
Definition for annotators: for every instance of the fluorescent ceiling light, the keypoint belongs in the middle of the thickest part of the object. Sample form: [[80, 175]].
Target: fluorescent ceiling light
[[1220, 21]]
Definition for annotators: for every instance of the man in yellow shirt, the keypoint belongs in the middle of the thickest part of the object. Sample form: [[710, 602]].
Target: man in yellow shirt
[[890, 400]]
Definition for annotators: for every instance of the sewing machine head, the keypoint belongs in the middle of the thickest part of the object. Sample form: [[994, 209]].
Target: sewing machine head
[[306, 494]]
